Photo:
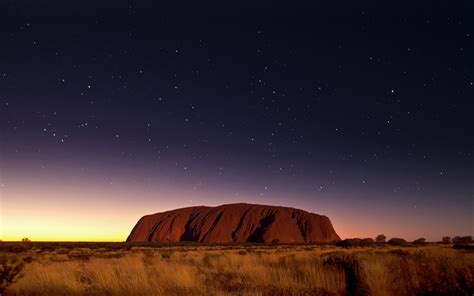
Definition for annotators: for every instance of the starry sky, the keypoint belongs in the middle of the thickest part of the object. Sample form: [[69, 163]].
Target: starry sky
[[110, 110]]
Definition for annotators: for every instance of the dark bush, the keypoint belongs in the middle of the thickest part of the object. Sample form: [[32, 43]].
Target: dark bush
[[14, 248], [380, 239], [420, 241], [10, 268], [356, 242], [397, 241], [446, 240], [367, 242], [462, 240], [349, 242]]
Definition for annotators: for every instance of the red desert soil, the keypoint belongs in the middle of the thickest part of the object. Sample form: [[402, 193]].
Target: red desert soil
[[234, 223]]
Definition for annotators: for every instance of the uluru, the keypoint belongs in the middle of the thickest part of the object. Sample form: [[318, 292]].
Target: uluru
[[234, 223]]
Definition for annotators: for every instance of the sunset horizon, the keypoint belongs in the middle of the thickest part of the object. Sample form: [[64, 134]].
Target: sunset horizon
[[91, 203]]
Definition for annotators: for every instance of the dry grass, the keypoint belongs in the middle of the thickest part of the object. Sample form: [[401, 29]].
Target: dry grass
[[297, 270]]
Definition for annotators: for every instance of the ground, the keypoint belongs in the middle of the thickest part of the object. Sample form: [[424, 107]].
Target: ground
[[191, 269]]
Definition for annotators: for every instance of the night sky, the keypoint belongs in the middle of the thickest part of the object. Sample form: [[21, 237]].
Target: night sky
[[110, 110]]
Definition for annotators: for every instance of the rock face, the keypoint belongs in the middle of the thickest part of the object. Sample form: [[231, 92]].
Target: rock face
[[234, 223]]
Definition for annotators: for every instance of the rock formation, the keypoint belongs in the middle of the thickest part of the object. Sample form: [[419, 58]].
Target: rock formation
[[234, 223]]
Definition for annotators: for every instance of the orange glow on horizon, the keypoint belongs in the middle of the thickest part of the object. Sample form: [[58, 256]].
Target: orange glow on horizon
[[64, 207]]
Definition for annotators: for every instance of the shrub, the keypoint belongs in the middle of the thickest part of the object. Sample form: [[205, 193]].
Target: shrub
[[10, 268], [462, 240], [14, 248], [420, 241], [355, 242], [349, 242], [397, 241], [367, 242], [380, 239], [446, 240]]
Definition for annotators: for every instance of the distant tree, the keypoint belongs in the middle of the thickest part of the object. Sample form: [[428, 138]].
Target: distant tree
[[462, 240], [367, 242], [397, 241], [468, 239], [25, 240], [356, 242], [380, 239], [420, 241], [446, 240]]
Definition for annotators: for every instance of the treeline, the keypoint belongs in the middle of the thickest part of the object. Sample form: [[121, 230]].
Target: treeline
[[382, 239]]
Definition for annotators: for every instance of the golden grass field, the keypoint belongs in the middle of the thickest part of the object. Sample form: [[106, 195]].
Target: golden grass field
[[433, 269]]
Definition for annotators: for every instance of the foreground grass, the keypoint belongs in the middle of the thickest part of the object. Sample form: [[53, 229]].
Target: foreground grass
[[248, 270]]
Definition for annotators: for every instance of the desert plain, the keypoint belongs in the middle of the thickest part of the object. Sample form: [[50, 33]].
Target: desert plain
[[41, 268]]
